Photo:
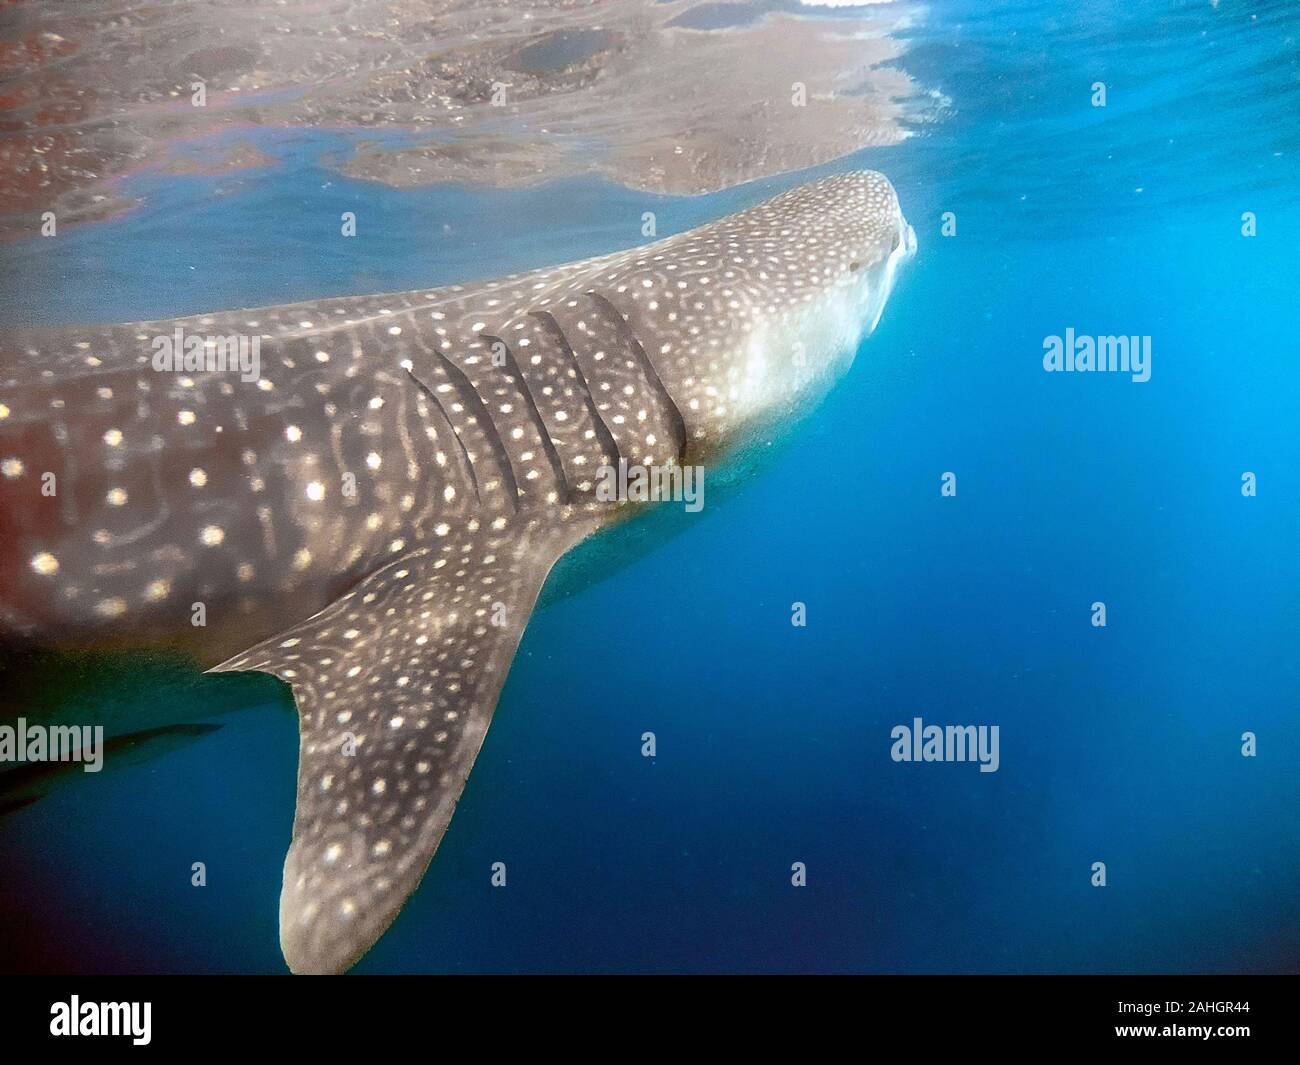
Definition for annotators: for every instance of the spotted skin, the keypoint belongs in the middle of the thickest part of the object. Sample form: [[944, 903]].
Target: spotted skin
[[376, 513]]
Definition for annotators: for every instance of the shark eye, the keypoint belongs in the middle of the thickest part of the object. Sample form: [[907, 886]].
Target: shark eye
[[897, 240], [855, 265]]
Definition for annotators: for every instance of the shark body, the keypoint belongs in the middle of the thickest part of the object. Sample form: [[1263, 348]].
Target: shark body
[[371, 519]]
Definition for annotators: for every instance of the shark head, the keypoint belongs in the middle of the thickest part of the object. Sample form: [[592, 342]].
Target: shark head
[[748, 321]]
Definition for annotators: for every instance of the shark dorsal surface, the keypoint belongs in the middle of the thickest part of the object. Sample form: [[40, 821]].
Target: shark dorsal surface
[[372, 515]]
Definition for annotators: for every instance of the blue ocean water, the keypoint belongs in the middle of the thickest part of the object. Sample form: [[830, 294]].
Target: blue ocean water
[[1119, 744]]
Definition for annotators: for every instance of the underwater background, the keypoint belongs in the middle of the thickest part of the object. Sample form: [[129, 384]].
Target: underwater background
[[1120, 744]]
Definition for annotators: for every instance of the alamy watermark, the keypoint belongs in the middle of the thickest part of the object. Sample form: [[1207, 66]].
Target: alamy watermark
[[1074, 353], [195, 353], [919, 742], [53, 743], [75, 1017], [650, 484]]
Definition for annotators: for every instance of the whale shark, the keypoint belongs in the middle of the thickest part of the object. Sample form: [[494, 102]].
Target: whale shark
[[363, 496]]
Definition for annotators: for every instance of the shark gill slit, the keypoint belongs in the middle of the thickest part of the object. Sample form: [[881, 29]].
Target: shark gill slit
[[548, 445], [648, 367], [602, 429], [474, 402], [461, 450], [67, 504]]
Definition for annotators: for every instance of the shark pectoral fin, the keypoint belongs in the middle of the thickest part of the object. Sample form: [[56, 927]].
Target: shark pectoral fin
[[395, 684]]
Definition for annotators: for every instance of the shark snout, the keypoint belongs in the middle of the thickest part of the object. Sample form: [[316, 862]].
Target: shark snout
[[909, 239]]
